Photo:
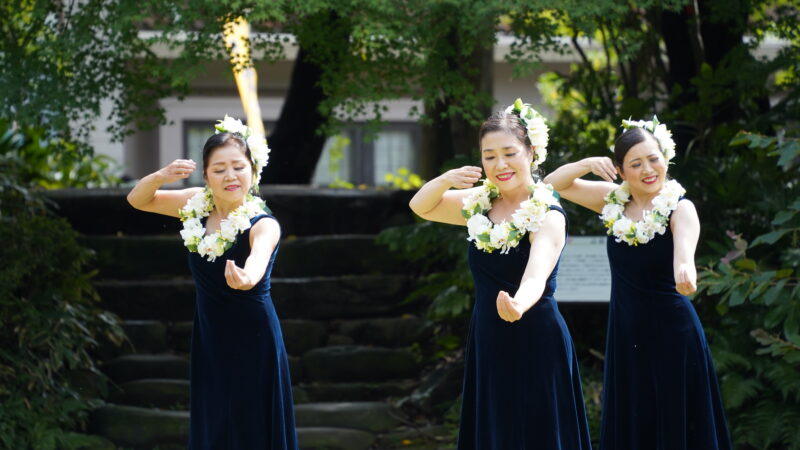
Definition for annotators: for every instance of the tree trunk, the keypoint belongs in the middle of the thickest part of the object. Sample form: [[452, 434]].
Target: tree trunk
[[449, 136], [294, 143]]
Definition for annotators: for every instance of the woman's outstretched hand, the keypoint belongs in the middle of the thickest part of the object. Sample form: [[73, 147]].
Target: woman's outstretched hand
[[686, 279], [463, 177], [509, 309], [177, 170], [236, 277]]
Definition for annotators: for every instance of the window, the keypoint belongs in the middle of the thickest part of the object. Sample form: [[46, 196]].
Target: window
[[351, 158], [348, 157]]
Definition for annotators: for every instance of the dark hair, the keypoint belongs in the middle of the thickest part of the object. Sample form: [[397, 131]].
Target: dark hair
[[512, 124], [508, 122], [627, 140], [222, 140]]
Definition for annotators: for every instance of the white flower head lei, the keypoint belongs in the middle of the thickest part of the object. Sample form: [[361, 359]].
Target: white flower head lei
[[658, 130], [202, 203], [536, 127], [655, 221]]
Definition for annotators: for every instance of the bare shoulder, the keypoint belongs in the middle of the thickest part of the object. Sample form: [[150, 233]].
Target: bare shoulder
[[684, 211], [268, 224], [553, 226]]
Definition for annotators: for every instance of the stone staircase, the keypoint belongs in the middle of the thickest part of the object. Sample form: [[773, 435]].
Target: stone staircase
[[353, 345]]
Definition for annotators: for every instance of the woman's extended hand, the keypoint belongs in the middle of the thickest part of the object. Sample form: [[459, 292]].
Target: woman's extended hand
[[509, 309], [236, 277], [686, 279], [177, 170], [603, 167], [463, 177]]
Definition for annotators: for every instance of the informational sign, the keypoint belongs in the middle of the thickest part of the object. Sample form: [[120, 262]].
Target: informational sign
[[584, 274]]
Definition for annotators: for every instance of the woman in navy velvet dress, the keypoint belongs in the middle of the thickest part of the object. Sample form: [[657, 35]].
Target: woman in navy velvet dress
[[522, 386], [241, 396], [660, 389]]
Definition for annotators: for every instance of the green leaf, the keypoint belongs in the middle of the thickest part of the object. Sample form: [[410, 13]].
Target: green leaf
[[746, 264], [769, 238], [791, 327], [737, 297], [783, 217], [789, 151], [772, 294]]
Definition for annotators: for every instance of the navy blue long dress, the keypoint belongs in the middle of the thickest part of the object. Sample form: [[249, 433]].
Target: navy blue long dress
[[660, 390], [241, 394], [522, 388]]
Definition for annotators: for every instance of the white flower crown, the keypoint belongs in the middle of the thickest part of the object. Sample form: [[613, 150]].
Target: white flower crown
[[659, 131], [259, 150], [537, 129]]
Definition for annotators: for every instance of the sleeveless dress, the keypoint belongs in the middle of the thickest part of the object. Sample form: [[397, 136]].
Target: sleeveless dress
[[522, 388], [241, 393], [660, 390]]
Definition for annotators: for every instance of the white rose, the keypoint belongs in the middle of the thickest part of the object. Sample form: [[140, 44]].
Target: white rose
[[622, 226], [228, 230], [612, 210], [231, 125], [642, 235], [544, 194], [664, 137], [498, 236], [477, 225]]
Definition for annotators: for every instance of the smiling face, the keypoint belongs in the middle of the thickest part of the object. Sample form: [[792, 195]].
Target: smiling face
[[644, 167], [506, 161], [229, 173]]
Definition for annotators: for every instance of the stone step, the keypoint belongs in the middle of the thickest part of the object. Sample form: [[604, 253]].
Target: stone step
[[325, 438], [350, 363], [340, 297], [132, 426], [368, 416], [352, 391], [164, 393], [302, 210], [146, 336], [164, 256], [140, 366], [147, 428], [385, 331]]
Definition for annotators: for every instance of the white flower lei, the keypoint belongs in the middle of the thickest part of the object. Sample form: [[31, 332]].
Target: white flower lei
[[507, 235], [655, 221], [659, 131], [202, 203], [536, 126], [215, 244]]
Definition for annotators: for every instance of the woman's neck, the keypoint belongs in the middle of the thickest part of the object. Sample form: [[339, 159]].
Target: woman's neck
[[224, 208], [644, 199], [517, 195]]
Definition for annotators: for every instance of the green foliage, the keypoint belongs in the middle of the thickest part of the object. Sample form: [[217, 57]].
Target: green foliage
[[439, 252], [50, 318], [757, 290], [33, 159]]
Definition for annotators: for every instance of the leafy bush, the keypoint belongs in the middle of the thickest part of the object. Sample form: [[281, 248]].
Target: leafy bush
[[757, 290], [50, 320]]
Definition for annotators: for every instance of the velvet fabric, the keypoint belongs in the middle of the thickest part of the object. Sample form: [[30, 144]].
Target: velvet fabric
[[660, 388], [522, 388], [241, 393]]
